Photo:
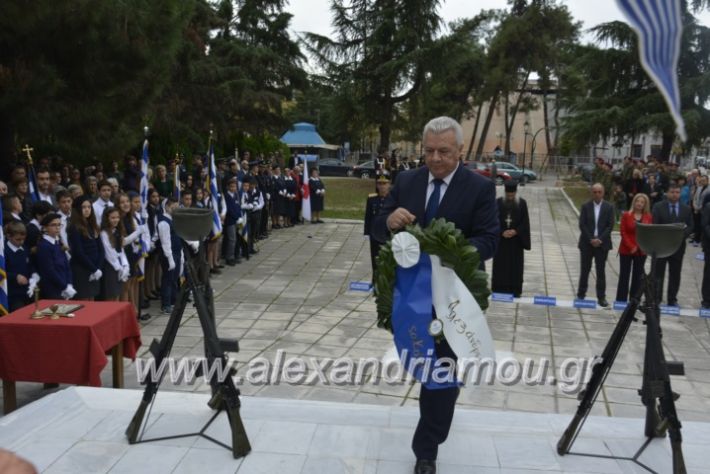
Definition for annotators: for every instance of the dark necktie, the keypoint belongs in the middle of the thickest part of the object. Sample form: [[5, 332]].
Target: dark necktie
[[674, 211], [433, 205]]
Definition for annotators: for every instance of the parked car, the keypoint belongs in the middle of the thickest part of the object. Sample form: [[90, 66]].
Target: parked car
[[585, 171], [516, 172], [334, 167], [364, 170], [482, 169]]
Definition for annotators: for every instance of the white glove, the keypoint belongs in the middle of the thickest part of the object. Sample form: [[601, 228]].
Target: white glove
[[171, 265], [34, 279], [195, 245], [125, 273], [69, 292], [96, 275], [268, 196], [240, 221]]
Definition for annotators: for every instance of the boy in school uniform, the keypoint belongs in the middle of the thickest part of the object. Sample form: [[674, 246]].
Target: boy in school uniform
[[21, 280], [231, 220], [170, 257], [55, 272]]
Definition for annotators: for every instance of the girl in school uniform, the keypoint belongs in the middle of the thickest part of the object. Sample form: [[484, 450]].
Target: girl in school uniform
[[86, 250], [115, 270], [131, 246]]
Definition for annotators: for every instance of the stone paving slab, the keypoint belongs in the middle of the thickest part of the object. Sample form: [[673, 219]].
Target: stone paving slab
[[293, 297], [81, 429]]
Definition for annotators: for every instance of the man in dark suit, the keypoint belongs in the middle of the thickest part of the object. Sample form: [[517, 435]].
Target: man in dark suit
[[443, 188], [596, 221], [670, 211]]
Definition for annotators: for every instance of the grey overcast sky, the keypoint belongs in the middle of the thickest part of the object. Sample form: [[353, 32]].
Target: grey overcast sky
[[314, 15]]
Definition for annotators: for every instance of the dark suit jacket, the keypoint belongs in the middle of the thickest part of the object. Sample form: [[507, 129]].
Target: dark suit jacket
[[662, 215], [469, 203], [604, 226]]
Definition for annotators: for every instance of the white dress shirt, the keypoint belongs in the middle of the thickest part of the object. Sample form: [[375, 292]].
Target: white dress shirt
[[597, 210], [99, 206]]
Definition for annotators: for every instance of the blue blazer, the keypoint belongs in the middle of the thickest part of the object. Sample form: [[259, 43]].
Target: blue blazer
[[55, 273], [469, 203], [85, 251], [17, 263], [234, 208]]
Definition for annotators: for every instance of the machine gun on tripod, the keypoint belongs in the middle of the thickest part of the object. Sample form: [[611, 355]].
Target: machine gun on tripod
[[659, 241]]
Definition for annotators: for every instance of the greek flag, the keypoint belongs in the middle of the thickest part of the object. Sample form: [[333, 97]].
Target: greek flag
[[145, 162], [32, 181], [176, 180], [214, 196], [3, 273], [659, 26]]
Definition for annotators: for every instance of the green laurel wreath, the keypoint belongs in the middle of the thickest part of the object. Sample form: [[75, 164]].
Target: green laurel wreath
[[440, 238]]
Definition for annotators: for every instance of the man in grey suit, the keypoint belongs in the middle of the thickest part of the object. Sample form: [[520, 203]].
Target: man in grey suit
[[671, 211], [596, 221]]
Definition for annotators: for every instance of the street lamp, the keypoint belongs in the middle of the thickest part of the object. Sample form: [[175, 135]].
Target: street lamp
[[526, 129]]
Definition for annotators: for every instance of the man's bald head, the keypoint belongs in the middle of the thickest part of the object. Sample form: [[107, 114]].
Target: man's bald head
[[597, 192]]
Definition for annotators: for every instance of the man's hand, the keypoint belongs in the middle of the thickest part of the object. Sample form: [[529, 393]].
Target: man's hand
[[12, 464], [596, 242], [510, 233], [400, 218], [22, 280]]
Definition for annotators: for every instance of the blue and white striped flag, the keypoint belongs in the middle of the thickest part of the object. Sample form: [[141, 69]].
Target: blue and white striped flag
[[32, 182], [659, 26], [214, 196], [145, 163], [3, 272], [176, 180]]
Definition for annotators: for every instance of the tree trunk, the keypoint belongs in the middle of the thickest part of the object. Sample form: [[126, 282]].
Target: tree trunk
[[514, 113], [668, 139], [385, 127], [484, 133], [475, 129], [506, 115], [545, 111], [7, 145]]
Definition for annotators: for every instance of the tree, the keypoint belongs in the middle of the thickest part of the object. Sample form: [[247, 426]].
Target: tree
[[77, 76], [623, 102], [379, 54]]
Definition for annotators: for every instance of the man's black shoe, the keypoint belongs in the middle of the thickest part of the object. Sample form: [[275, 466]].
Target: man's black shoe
[[425, 466], [603, 302], [231, 263], [144, 317], [580, 297], [672, 302]]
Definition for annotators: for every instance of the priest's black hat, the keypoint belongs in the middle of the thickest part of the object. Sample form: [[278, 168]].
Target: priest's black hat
[[511, 186]]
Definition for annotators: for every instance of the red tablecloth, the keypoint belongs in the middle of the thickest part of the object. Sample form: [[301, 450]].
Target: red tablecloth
[[65, 350]]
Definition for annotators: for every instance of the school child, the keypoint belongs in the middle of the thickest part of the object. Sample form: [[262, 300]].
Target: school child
[[86, 249], [52, 263], [171, 257], [21, 279], [115, 270]]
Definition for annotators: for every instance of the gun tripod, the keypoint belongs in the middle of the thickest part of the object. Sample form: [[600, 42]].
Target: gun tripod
[[655, 392], [225, 395]]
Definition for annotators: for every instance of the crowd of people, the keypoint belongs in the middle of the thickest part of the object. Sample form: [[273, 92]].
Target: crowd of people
[[648, 192], [86, 234]]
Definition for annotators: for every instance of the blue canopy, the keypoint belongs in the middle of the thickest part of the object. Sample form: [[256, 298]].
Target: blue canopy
[[303, 135]]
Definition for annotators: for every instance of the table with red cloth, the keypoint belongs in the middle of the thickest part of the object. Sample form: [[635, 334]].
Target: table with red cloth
[[66, 350]]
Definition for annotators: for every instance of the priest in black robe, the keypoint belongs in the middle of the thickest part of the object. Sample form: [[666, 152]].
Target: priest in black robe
[[509, 261]]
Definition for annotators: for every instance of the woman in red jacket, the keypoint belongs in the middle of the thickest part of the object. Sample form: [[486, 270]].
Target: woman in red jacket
[[630, 255]]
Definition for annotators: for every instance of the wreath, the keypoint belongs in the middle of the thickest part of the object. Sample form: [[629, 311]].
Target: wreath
[[440, 238]]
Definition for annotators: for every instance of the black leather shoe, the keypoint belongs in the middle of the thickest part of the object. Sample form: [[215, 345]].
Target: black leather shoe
[[603, 302], [425, 466]]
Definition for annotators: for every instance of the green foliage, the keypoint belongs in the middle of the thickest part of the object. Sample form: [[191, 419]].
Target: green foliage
[[440, 238], [378, 55], [82, 78], [77, 75], [624, 102]]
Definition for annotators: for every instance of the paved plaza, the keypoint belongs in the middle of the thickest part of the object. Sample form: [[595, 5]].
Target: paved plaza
[[293, 298]]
